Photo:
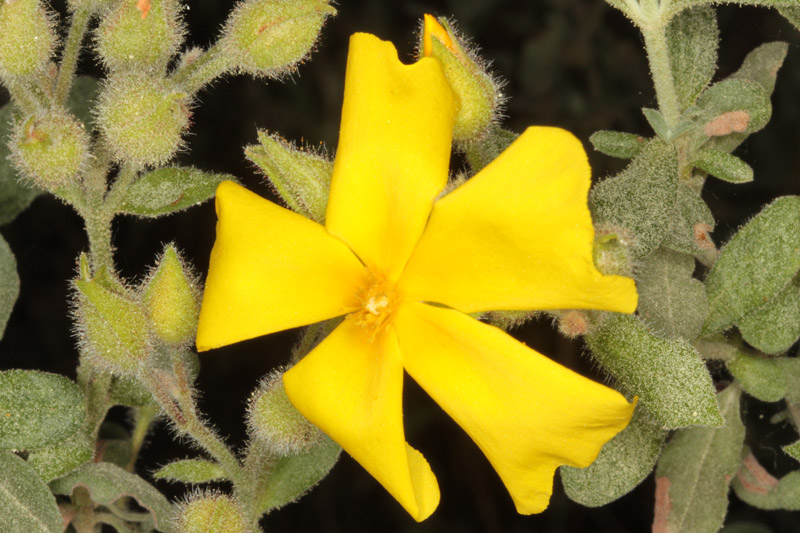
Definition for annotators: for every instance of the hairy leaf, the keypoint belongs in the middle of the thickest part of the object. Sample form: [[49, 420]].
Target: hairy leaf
[[9, 283], [760, 377], [730, 110], [692, 39], [775, 327], [617, 143], [792, 14], [62, 457], [692, 221], [724, 166], [191, 471], [757, 487], [26, 504], [793, 449], [762, 64]]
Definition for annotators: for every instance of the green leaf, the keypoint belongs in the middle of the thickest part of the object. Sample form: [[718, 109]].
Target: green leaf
[[775, 327], [623, 463], [657, 122], [724, 166], [9, 283], [38, 409], [617, 143], [762, 64], [760, 377], [129, 392], [679, 5], [730, 110], [486, 150], [793, 449], [691, 222], [695, 470], [61, 458], [108, 483], [26, 504], [170, 189], [641, 199], [15, 197], [757, 263], [81, 99], [191, 471], [671, 302], [757, 487], [292, 476], [669, 377], [692, 40], [792, 14]]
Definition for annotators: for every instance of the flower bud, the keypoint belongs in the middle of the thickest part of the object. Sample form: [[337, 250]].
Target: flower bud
[[211, 512], [27, 38], [111, 326], [477, 92], [142, 118], [572, 323], [273, 421], [269, 37], [301, 177], [140, 35], [50, 149], [171, 298]]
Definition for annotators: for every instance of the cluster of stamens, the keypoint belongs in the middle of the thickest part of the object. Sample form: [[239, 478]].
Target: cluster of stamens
[[378, 298]]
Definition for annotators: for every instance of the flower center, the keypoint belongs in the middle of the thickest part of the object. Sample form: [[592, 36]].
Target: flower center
[[378, 299]]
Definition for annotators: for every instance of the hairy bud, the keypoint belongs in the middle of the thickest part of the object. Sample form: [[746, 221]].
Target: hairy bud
[[268, 37], [142, 118], [211, 512], [27, 38]]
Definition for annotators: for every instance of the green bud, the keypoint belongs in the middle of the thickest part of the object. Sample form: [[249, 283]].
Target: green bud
[[50, 149], [211, 512], [111, 327], [268, 37], [27, 38], [142, 118], [612, 251], [477, 92], [171, 297], [301, 177], [273, 420], [91, 6], [140, 35]]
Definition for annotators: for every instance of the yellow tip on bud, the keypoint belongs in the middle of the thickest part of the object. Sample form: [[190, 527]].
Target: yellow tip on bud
[[432, 29]]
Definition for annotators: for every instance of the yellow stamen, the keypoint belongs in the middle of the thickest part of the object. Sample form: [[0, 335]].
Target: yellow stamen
[[378, 299]]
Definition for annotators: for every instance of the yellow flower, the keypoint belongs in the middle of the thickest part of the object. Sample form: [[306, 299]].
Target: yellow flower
[[406, 268]]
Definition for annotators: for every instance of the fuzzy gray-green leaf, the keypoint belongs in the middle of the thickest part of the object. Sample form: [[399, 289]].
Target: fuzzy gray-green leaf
[[62, 457], [641, 199], [723, 165], [792, 14], [671, 302], [692, 39], [793, 449], [730, 110], [760, 377], [617, 143], [9, 283], [26, 504], [37, 409], [695, 470], [170, 189], [669, 377], [757, 263], [657, 122], [108, 483], [762, 64], [757, 487], [191, 471], [15, 197], [691, 223], [775, 327], [623, 463]]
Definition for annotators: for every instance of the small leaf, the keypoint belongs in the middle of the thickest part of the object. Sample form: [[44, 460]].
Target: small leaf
[[692, 40], [775, 327], [657, 122], [170, 189], [762, 64], [724, 166], [191, 471], [732, 109], [760, 377], [15, 197], [792, 14], [38, 409], [26, 504], [9, 283], [669, 377], [617, 143], [757, 263], [691, 223], [623, 463], [793, 449], [108, 483], [640, 199], [757, 487], [62, 457], [671, 302], [292, 476]]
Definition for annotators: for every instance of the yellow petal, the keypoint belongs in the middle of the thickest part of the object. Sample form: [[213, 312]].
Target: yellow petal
[[528, 414], [270, 270], [518, 235], [432, 29], [352, 390], [393, 154]]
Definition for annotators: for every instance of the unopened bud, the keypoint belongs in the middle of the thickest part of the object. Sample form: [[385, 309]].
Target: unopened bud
[[268, 37], [50, 149], [171, 297], [27, 38], [275, 422], [477, 92], [301, 177], [573, 323], [111, 326], [142, 118], [140, 35], [612, 252], [211, 512]]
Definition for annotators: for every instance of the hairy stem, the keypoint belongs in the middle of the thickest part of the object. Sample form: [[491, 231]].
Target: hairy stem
[[127, 175], [654, 31], [144, 418], [192, 76], [72, 49]]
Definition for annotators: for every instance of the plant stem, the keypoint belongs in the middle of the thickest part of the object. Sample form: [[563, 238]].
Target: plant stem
[[144, 418], [127, 175], [654, 31], [98, 229], [192, 76], [72, 49]]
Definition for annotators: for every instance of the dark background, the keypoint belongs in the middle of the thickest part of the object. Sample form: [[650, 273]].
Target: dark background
[[576, 64]]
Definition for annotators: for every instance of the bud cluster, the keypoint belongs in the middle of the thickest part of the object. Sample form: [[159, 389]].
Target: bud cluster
[[27, 38]]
